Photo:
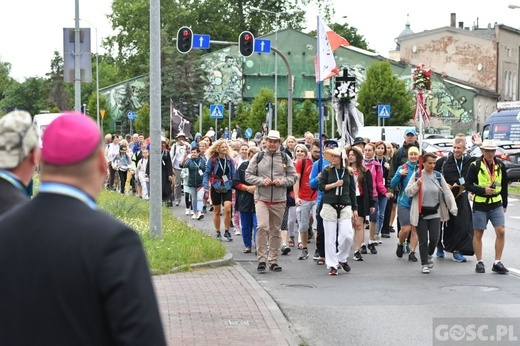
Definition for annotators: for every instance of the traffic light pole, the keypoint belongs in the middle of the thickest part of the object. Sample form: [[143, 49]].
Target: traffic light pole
[[289, 81]]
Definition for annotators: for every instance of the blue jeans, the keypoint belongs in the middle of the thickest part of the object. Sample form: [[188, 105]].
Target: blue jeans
[[378, 215], [248, 223]]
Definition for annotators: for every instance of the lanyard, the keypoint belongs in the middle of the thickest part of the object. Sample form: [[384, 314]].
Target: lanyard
[[337, 175], [492, 171], [457, 165], [225, 165], [13, 180], [67, 190]]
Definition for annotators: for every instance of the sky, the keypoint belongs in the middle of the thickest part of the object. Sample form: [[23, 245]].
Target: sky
[[31, 30]]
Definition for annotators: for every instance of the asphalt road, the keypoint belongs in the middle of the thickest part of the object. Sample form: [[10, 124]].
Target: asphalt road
[[388, 301]]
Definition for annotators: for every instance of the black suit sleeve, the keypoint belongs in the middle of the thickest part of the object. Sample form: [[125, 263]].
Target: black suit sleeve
[[127, 292]]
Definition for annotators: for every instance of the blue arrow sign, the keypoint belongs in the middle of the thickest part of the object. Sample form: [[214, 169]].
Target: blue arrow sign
[[216, 111], [383, 111], [249, 133], [200, 41], [131, 115], [262, 46]]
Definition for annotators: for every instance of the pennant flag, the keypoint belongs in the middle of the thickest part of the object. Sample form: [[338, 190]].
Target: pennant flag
[[328, 41], [179, 122], [420, 110]]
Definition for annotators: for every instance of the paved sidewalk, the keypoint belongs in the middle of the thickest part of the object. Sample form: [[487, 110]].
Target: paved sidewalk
[[221, 305]]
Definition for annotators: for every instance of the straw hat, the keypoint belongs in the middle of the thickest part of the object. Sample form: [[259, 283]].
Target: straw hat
[[329, 153], [488, 144]]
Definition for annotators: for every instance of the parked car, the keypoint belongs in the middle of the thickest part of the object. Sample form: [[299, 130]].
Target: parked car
[[509, 153], [432, 148], [444, 143]]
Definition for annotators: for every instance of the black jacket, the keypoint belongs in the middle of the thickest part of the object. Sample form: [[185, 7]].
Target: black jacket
[[244, 200], [10, 196], [72, 275]]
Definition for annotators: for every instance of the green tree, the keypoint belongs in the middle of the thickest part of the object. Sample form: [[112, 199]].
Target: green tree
[[31, 95], [5, 78], [142, 121], [384, 87], [257, 114], [306, 119], [58, 92]]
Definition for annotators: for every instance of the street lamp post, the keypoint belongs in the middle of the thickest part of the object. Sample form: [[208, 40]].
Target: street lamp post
[[276, 16], [97, 74]]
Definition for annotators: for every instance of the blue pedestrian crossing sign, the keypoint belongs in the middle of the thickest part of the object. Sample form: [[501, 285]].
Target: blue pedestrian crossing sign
[[249, 133], [216, 111], [201, 41], [383, 111], [262, 46]]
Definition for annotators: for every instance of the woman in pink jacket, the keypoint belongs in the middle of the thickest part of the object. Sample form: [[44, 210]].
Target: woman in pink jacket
[[379, 194]]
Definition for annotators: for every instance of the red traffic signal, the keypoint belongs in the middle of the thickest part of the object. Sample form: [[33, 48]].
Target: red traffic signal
[[184, 40], [246, 43]]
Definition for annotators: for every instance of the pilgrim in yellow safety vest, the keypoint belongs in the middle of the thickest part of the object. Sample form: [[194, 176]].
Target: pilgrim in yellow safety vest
[[485, 178]]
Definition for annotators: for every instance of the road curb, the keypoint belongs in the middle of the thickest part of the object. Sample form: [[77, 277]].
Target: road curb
[[225, 261]]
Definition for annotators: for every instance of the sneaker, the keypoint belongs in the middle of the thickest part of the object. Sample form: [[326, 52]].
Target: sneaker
[[430, 262], [457, 257], [364, 249], [344, 266], [187, 212], [211, 208], [425, 270], [219, 236], [262, 266], [372, 248], [499, 268], [391, 229], [227, 235], [204, 210], [479, 268], [177, 203], [357, 256], [377, 240], [399, 251], [237, 232], [316, 255], [285, 250], [384, 235], [304, 255], [194, 216], [200, 215], [440, 253], [411, 257], [333, 271]]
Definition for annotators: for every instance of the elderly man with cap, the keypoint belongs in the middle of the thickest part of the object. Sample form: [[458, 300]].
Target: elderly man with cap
[[72, 275], [271, 171], [19, 155], [179, 153], [487, 181], [359, 142]]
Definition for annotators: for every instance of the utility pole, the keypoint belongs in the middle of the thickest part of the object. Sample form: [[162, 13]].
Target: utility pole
[[77, 62]]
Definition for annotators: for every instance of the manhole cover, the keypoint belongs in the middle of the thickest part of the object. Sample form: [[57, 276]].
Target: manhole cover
[[298, 286], [238, 322], [470, 288]]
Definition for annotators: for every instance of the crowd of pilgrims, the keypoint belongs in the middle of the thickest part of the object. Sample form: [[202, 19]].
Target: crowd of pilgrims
[[381, 172]]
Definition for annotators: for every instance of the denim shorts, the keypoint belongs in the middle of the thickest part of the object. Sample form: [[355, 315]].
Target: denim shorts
[[481, 218]]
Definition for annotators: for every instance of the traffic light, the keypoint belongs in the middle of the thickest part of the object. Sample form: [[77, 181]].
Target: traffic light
[[232, 109], [84, 109], [246, 43], [184, 40], [375, 109], [195, 110]]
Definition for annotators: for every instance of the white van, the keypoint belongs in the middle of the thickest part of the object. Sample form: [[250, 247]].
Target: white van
[[41, 121], [383, 133]]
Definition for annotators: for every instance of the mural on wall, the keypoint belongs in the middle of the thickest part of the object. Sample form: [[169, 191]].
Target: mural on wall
[[116, 94], [448, 109], [225, 77]]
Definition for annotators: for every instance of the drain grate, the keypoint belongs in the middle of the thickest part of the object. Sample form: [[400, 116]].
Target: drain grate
[[468, 288], [297, 286], [238, 322]]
